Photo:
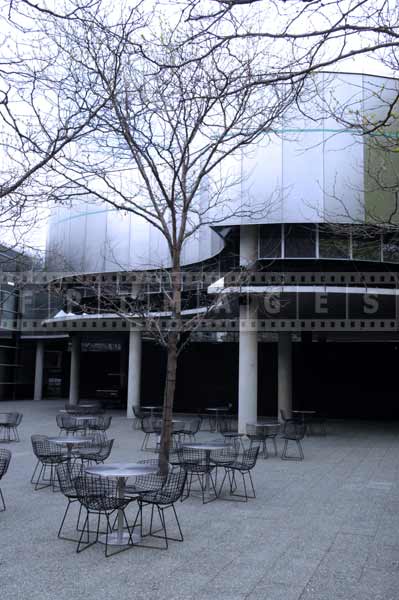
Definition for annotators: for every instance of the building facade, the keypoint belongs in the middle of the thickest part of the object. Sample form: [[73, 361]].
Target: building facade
[[304, 283]]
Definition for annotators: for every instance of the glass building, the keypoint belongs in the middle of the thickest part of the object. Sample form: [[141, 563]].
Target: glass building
[[305, 283]]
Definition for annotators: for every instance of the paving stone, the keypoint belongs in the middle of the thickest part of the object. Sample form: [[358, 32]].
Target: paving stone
[[323, 529]]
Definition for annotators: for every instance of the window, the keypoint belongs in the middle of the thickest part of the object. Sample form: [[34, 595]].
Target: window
[[334, 241], [270, 241], [300, 241], [366, 245]]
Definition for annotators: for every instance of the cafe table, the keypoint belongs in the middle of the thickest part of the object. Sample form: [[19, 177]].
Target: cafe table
[[152, 409], [121, 472], [69, 441], [207, 447], [267, 430]]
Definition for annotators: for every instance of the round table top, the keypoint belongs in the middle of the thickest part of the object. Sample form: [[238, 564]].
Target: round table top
[[151, 407], [85, 417], [73, 439], [122, 470], [205, 445], [304, 412], [218, 408]]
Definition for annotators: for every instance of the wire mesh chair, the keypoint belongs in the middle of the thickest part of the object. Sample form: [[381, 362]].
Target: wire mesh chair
[[138, 415], [9, 423], [101, 423], [94, 452], [163, 499], [150, 426], [146, 483], [68, 424], [99, 496], [48, 455], [67, 474], [293, 431], [5, 457], [191, 428], [243, 464], [196, 464], [225, 456], [228, 427], [257, 437]]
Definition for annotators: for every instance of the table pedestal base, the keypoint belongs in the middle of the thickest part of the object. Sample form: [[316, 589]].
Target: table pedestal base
[[117, 538]]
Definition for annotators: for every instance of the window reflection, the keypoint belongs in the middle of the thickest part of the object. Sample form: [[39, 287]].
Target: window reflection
[[270, 241], [300, 241], [366, 245], [334, 242]]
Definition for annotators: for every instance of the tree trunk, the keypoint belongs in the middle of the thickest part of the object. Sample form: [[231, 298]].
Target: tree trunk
[[171, 369], [169, 396]]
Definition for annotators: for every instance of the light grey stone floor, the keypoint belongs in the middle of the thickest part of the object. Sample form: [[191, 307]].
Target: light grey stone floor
[[323, 529]]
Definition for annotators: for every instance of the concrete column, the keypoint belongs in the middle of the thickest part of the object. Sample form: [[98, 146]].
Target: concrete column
[[248, 368], [134, 372], [75, 371], [39, 367], [284, 373], [248, 245]]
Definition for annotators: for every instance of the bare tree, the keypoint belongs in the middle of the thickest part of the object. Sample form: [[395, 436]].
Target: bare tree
[[44, 109], [166, 144]]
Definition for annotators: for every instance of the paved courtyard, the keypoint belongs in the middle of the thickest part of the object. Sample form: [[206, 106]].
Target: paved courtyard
[[323, 529]]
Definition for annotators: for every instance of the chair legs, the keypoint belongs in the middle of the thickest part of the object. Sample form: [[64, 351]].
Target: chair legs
[[164, 535], [62, 537], [206, 486], [9, 434], [231, 475], [86, 530], [42, 481], [286, 456]]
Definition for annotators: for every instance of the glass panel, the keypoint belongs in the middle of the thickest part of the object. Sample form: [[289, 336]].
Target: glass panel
[[270, 241], [391, 247], [300, 241], [334, 242], [366, 245]]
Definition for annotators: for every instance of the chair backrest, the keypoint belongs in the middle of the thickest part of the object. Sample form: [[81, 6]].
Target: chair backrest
[[93, 492], [67, 474], [5, 457], [106, 421], [14, 418], [226, 455], [192, 457], [249, 457], [138, 413], [173, 487], [152, 482], [192, 426], [42, 447], [147, 424], [105, 449], [67, 422], [294, 430]]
